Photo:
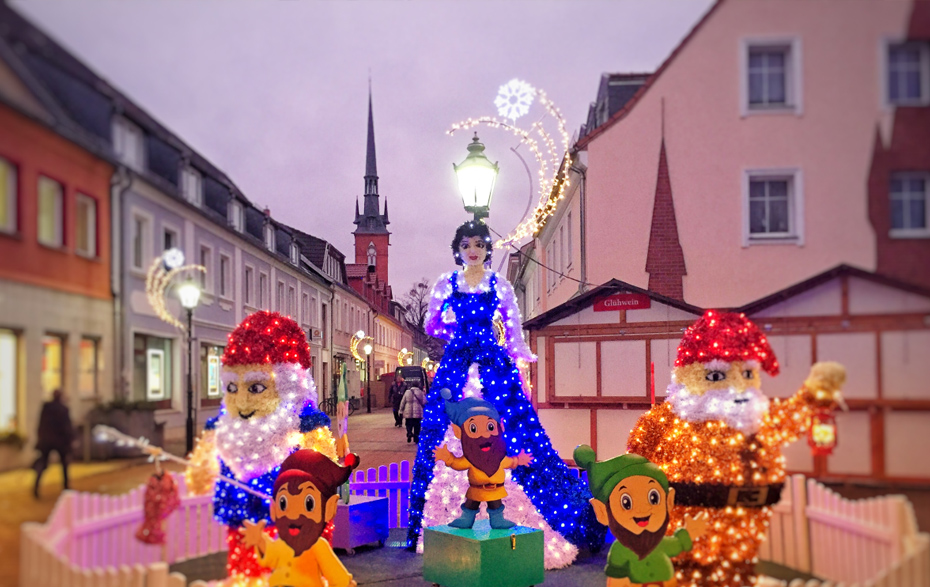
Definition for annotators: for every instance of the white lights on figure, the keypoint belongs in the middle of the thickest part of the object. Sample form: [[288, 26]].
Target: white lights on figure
[[360, 334], [476, 176], [173, 258], [189, 294]]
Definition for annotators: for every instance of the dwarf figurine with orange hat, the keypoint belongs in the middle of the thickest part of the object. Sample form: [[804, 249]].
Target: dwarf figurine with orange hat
[[304, 501], [719, 440], [269, 410]]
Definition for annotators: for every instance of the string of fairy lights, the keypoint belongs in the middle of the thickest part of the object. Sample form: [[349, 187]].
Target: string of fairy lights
[[513, 101]]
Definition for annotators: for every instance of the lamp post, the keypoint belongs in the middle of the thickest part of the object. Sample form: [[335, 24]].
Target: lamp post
[[190, 295], [367, 348], [476, 176]]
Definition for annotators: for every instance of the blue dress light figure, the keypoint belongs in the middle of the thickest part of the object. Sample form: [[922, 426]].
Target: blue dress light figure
[[461, 310]]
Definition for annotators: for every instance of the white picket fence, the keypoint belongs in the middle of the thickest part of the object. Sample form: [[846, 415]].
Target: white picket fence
[[89, 538], [849, 543]]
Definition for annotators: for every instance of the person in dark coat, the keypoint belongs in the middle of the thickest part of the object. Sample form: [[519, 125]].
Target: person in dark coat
[[398, 388], [55, 434]]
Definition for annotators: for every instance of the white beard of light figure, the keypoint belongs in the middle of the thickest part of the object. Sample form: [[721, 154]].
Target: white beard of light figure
[[252, 447], [741, 411]]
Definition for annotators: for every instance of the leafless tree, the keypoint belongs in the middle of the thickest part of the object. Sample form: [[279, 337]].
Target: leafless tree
[[415, 303]]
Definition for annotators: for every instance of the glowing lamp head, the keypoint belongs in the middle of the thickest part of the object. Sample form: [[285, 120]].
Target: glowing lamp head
[[172, 258], [189, 294], [367, 348], [476, 176]]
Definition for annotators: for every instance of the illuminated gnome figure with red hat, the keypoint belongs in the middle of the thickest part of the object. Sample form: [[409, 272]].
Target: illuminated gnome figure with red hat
[[269, 411], [718, 438]]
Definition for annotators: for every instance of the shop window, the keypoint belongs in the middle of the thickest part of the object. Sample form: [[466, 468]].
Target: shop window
[[152, 370], [9, 361], [210, 372], [53, 360], [88, 366]]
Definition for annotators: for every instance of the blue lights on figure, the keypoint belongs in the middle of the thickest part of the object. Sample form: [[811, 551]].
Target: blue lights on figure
[[558, 494]]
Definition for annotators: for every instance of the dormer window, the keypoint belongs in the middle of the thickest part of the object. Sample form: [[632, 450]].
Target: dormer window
[[234, 214], [269, 236], [128, 144], [192, 186], [372, 255], [295, 254]]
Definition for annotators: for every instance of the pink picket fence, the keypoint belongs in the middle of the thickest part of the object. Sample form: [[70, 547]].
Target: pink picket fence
[[89, 539], [868, 543]]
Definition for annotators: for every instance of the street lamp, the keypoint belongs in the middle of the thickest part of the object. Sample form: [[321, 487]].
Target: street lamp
[[367, 348], [476, 175], [190, 295]]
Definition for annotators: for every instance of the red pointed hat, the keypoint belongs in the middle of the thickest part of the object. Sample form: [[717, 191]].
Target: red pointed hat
[[725, 336], [267, 337]]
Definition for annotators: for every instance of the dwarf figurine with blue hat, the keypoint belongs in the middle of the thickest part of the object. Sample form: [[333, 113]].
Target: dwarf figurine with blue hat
[[633, 499], [484, 455]]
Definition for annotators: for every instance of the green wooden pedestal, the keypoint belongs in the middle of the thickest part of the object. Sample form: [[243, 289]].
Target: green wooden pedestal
[[482, 557]]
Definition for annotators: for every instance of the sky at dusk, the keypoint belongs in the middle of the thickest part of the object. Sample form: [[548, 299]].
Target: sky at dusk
[[275, 93]]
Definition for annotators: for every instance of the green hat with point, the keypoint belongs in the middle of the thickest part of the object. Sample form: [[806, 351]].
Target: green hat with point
[[604, 476]]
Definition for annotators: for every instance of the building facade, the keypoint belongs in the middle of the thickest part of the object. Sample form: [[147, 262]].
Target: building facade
[[56, 309]]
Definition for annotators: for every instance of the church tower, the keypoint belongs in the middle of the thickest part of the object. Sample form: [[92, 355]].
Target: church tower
[[371, 234]]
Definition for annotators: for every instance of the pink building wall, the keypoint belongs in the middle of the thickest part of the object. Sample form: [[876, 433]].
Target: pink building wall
[[710, 142]]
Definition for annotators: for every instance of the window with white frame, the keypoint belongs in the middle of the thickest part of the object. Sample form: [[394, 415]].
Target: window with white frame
[[908, 69], [563, 262], [568, 239], [128, 143], [85, 226], [262, 290], [141, 226], [280, 297], [305, 308], [908, 193], [247, 279], [170, 238], [8, 198], [206, 277], [773, 205], [225, 276], [771, 76], [269, 236], [192, 186], [291, 301], [550, 273], [235, 213], [51, 212], [295, 254]]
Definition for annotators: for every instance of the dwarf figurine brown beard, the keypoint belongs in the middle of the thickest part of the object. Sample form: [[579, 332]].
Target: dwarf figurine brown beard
[[478, 425], [304, 501]]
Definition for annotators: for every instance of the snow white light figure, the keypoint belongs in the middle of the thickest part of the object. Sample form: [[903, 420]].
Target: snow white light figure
[[461, 310]]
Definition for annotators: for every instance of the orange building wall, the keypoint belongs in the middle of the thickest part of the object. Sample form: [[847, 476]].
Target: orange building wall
[[35, 151], [381, 242]]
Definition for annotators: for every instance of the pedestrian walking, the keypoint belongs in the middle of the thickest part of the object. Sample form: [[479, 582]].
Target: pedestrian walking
[[411, 406], [398, 388], [55, 434]]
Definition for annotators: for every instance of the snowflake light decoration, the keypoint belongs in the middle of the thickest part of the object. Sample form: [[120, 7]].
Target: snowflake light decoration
[[514, 99], [554, 158]]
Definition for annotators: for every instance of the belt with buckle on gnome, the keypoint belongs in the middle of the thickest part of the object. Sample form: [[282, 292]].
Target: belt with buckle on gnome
[[720, 496], [488, 486]]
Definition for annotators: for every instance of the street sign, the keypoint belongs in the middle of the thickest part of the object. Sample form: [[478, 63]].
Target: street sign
[[622, 301]]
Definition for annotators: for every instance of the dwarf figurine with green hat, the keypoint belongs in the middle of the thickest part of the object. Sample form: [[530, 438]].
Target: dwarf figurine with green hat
[[633, 499], [484, 455]]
